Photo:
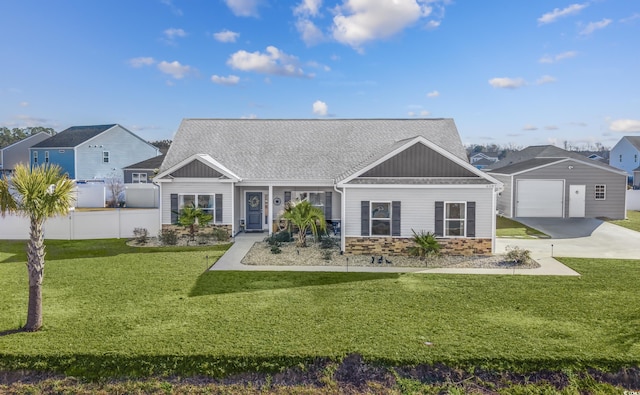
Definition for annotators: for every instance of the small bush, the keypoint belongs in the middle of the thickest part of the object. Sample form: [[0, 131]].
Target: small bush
[[328, 243], [219, 234], [279, 237], [275, 249], [426, 244], [141, 235], [327, 255], [168, 237], [518, 255], [205, 238]]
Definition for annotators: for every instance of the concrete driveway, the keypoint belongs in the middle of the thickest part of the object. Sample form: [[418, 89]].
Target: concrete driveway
[[577, 237]]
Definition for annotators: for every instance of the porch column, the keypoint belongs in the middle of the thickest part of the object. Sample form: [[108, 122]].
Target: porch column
[[270, 216]]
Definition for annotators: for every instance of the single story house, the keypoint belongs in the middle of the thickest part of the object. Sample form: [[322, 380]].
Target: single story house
[[97, 152], [18, 152], [142, 172], [547, 181], [377, 180]]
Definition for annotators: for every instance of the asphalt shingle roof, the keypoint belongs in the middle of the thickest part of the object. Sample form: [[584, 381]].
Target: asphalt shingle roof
[[73, 136], [634, 140], [147, 164], [302, 149], [525, 165]]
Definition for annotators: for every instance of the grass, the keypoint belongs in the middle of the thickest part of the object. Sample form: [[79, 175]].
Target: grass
[[506, 227], [138, 312], [632, 222]]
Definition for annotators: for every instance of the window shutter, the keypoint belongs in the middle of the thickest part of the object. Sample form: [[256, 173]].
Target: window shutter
[[174, 208], [471, 219], [287, 196], [395, 218], [218, 218], [327, 206], [439, 225], [364, 217]]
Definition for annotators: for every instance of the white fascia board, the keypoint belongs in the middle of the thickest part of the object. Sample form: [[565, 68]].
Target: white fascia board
[[419, 186], [205, 159], [286, 183], [569, 160]]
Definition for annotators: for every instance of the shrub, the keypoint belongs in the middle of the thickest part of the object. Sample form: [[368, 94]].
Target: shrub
[[328, 243], [275, 249], [278, 238], [168, 237], [518, 255], [426, 244], [205, 238], [219, 234], [327, 255], [141, 235]]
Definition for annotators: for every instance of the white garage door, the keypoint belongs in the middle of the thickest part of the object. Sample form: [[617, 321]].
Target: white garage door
[[539, 198]]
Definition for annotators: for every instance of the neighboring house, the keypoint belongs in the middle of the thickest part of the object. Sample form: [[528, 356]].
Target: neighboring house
[[93, 152], [547, 181], [18, 152], [376, 180], [142, 172], [486, 157], [636, 178], [483, 163], [625, 154]]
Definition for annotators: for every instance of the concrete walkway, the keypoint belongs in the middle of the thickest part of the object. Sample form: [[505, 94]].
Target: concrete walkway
[[243, 242]]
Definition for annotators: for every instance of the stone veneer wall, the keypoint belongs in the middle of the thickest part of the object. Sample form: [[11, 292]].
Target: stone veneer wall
[[400, 246], [184, 230]]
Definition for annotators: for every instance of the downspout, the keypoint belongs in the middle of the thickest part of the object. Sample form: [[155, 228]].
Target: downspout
[[233, 209], [159, 185], [342, 207], [270, 208]]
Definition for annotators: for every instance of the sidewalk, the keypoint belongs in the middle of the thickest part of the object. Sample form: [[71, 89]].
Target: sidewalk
[[243, 242]]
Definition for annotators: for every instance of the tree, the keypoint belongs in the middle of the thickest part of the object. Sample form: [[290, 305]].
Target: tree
[[193, 217], [305, 217], [38, 193], [10, 136]]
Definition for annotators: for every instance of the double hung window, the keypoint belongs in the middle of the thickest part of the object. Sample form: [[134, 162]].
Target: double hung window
[[205, 202], [601, 192], [380, 219], [455, 219]]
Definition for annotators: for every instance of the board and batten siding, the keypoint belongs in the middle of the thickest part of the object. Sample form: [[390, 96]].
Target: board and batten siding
[[124, 149], [582, 174], [184, 187], [503, 200], [418, 207]]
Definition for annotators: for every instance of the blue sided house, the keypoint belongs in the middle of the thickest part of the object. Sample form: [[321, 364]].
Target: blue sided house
[[97, 152]]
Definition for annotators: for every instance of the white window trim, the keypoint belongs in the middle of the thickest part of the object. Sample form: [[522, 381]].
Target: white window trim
[[139, 177], [107, 156], [445, 219], [35, 157], [298, 193], [371, 218], [596, 192], [196, 195], [46, 156]]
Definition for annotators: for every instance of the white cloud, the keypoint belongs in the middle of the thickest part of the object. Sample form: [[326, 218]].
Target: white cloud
[[625, 125], [173, 8], [424, 113], [557, 13], [529, 127], [141, 61], [308, 8], [172, 33], [320, 108], [250, 116], [431, 25], [174, 69], [545, 79], [24, 104], [243, 7], [630, 18], [273, 61], [593, 26], [226, 36], [230, 80], [359, 21], [433, 94], [507, 83], [310, 33], [558, 57]]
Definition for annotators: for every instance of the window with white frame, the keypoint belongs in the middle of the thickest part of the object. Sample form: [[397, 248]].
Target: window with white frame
[[206, 202], [46, 156], [315, 198], [380, 220], [35, 157], [105, 156], [139, 178], [455, 219], [601, 192]]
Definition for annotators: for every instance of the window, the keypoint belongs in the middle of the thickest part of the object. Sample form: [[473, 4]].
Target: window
[[35, 157], [454, 219], [105, 156], [380, 219], [635, 158], [601, 192], [46, 156], [202, 201], [139, 178], [620, 157], [315, 198]]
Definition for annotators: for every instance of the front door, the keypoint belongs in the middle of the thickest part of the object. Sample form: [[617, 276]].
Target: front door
[[577, 197], [254, 210]]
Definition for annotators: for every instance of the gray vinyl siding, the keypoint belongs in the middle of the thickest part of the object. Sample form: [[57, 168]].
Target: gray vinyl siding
[[196, 169], [418, 207], [128, 175], [582, 174], [180, 187], [124, 149], [18, 152], [278, 192], [419, 161], [504, 198]]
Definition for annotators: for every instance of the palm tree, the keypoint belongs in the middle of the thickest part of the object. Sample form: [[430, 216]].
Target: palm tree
[[194, 217], [305, 217], [37, 193]]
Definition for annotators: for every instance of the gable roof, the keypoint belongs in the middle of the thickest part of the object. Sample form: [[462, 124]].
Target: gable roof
[[303, 149], [535, 163], [147, 164], [539, 152], [37, 136], [73, 136], [634, 140]]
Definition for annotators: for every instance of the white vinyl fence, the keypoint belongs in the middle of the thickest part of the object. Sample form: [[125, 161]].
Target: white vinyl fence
[[103, 224], [633, 199], [95, 195]]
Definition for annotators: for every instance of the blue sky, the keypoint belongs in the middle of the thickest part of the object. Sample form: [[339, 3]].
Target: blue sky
[[508, 72]]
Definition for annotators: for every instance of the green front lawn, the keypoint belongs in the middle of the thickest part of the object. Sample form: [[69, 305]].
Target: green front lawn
[[506, 227], [632, 222], [128, 311]]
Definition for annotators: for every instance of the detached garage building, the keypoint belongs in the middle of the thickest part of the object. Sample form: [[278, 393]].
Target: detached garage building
[[547, 181]]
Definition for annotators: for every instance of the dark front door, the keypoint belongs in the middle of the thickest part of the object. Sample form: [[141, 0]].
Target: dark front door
[[254, 210]]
